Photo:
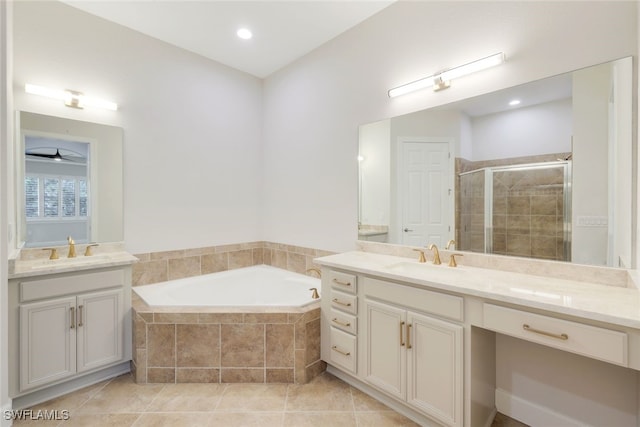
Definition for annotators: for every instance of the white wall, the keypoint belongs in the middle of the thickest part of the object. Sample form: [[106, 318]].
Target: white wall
[[313, 107], [375, 173], [528, 131], [192, 127]]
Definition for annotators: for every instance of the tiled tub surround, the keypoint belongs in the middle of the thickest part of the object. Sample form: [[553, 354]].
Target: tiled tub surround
[[162, 266], [208, 344]]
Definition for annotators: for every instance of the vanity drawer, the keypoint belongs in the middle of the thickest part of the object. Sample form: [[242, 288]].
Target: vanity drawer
[[591, 341], [426, 301], [343, 281], [343, 350], [344, 302], [70, 284], [344, 321]]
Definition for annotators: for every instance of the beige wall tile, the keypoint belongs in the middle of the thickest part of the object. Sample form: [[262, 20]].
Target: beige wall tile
[[161, 345], [197, 375], [175, 317], [296, 262], [161, 375], [266, 318], [221, 318], [279, 375], [198, 345], [279, 258], [199, 251], [139, 332], [266, 256], [242, 345], [167, 255], [279, 343], [242, 375], [312, 345], [213, 263], [183, 267], [146, 273], [240, 259], [257, 255], [300, 366]]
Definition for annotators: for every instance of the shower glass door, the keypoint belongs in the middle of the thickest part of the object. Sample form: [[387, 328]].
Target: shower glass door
[[529, 210]]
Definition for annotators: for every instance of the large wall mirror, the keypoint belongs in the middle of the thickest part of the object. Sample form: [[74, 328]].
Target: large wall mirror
[[69, 180], [542, 170]]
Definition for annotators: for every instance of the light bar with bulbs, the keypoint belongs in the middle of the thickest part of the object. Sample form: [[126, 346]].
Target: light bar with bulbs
[[70, 98], [442, 79]]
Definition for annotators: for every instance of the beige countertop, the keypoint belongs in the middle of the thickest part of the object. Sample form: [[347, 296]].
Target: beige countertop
[[612, 304]]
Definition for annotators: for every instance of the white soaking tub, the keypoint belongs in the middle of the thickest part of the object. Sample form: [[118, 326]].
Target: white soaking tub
[[256, 286]]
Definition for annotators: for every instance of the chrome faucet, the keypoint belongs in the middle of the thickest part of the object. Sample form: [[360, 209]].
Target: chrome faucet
[[436, 254], [72, 248]]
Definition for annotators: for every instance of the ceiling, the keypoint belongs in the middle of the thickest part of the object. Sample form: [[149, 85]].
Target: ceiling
[[283, 31]]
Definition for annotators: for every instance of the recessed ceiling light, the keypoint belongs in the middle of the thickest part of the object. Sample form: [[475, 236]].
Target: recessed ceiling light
[[514, 102], [244, 33]]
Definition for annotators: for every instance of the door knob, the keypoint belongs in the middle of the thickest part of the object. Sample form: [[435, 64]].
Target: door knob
[[406, 230]]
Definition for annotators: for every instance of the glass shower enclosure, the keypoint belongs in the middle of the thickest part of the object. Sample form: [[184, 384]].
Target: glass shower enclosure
[[520, 210]]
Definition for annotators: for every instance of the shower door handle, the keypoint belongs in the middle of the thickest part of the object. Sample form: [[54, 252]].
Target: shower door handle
[[406, 230]]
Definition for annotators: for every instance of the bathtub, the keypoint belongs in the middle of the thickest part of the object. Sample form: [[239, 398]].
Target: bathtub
[[256, 286], [250, 325]]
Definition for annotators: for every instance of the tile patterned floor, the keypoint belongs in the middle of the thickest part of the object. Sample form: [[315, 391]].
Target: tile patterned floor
[[326, 401]]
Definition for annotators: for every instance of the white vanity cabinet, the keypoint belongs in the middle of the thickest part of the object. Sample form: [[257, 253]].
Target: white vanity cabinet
[[406, 342], [340, 304], [65, 336], [411, 354], [69, 325]]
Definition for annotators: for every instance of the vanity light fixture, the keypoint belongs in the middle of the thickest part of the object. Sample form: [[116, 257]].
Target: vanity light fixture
[[442, 79], [514, 102], [70, 98]]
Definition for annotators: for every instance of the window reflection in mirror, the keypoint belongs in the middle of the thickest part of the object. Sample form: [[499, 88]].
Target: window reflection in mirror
[[69, 181], [56, 191], [547, 177]]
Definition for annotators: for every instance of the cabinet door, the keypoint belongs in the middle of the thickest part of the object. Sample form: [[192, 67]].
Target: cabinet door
[[385, 348], [434, 371], [47, 342], [100, 328]]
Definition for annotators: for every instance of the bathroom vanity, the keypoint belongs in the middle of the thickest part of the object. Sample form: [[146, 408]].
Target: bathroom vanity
[[69, 323], [421, 337]]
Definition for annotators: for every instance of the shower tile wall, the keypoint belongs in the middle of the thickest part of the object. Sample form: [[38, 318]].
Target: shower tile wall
[[527, 208], [528, 213], [471, 227]]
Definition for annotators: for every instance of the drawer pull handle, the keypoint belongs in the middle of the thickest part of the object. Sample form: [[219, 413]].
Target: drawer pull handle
[[339, 282], [528, 328], [401, 334], [72, 315], [346, 324], [337, 301], [409, 336], [337, 350]]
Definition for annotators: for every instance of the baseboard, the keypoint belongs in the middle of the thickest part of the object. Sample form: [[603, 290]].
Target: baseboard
[[48, 393], [531, 413]]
